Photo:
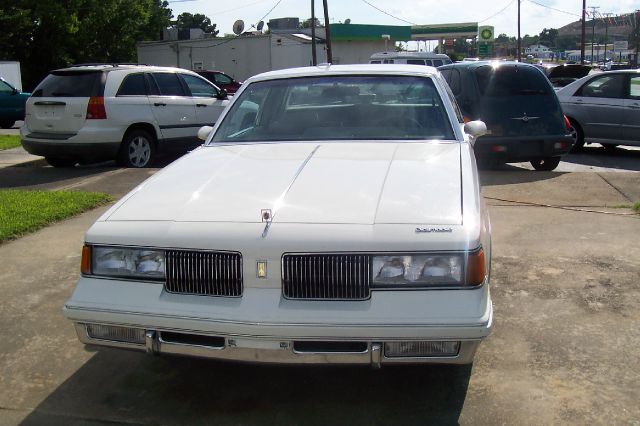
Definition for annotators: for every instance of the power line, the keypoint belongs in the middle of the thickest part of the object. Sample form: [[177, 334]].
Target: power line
[[240, 7], [499, 12], [270, 10], [553, 8], [387, 13]]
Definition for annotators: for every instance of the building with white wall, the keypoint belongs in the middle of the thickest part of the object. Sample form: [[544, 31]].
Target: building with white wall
[[249, 54]]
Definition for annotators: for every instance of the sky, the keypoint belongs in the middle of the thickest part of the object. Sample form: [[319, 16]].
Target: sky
[[502, 14]]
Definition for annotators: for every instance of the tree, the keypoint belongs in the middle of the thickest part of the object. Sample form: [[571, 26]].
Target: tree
[[307, 23], [48, 34], [187, 20], [548, 37]]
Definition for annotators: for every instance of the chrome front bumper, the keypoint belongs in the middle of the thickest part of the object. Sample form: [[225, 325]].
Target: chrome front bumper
[[272, 351]]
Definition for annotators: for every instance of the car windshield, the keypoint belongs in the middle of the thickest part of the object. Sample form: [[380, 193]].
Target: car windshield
[[337, 108], [506, 81]]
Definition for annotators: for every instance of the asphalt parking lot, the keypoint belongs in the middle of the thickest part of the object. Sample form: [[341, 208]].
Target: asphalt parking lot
[[564, 349]]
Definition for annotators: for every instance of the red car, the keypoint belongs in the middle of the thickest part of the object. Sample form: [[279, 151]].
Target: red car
[[221, 80]]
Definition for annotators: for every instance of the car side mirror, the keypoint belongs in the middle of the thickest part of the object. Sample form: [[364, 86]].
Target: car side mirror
[[204, 132], [475, 129], [222, 94]]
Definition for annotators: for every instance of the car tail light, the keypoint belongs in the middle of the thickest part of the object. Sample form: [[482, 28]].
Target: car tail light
[[498, 148], [95, 108], [567, 123]]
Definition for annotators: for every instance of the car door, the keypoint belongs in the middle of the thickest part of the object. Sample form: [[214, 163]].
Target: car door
[[601, 105], [631, 118], [172, 106], [204, 96]]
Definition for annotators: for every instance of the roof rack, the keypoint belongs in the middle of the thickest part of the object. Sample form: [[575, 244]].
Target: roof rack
[[94, 64]]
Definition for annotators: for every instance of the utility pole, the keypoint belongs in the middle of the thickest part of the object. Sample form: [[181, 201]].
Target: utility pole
[[327, 31], [584, 7], [593, 27], [314, 57], [519, 40]]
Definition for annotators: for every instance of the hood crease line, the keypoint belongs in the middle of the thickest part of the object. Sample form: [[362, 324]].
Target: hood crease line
[[384, 182], [280, 200]]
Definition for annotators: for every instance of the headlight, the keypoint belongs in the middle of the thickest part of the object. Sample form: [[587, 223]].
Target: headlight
[[127, 262], [457, 269]]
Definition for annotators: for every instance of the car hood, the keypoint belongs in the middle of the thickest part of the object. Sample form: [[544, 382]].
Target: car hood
[[315, 182]]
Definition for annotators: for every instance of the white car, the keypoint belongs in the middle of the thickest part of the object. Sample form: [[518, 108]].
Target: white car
[[334, 215], [92, 113]]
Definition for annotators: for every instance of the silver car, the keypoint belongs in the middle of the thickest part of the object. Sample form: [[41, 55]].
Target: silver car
[[604, 108]]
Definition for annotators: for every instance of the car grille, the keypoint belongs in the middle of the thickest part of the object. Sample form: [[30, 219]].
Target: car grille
[[326, 276], [204, 273]]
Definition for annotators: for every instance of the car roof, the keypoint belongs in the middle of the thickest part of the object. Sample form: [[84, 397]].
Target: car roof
[[356, 69], [119, 67], [478, 64]]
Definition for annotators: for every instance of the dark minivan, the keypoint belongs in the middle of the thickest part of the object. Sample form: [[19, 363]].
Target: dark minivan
[[520, 108]]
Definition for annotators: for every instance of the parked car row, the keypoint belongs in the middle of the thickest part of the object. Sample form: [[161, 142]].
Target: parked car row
[[129, 112]]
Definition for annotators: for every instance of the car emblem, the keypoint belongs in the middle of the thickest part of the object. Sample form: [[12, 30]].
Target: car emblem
[[525, 118], [428, 230], [261, 269]]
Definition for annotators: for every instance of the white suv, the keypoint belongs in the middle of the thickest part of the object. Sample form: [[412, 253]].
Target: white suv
[[91, 113]]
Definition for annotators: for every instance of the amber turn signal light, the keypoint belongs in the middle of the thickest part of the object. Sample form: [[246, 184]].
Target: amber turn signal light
[[85, 263], [475, 268]]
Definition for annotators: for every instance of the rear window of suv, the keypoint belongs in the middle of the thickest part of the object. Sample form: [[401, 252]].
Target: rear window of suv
[[516, 80], [71, 84]]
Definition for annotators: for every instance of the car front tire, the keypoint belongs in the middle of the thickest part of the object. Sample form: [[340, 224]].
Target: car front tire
[[545, 164], [138, 149]]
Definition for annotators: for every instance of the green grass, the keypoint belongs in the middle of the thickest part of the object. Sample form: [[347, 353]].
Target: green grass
[[9, 141], [636, 207], [26, 211]]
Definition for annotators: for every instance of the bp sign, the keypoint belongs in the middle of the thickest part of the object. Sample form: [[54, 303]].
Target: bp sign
[[485, 33]]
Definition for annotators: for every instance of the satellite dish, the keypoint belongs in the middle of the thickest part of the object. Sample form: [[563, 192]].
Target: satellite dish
[[347, 21], [238, 27], [260, 26]]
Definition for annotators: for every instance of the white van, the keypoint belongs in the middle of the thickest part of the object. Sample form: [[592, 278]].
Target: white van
[[411, 58]]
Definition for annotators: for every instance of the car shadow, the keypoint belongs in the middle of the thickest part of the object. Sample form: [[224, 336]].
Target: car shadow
[[129, 387], [39, 175], [620, 158], [506, 174]]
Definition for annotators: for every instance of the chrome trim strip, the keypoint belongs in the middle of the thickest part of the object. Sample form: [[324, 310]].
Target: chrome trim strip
[[483, 324]]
